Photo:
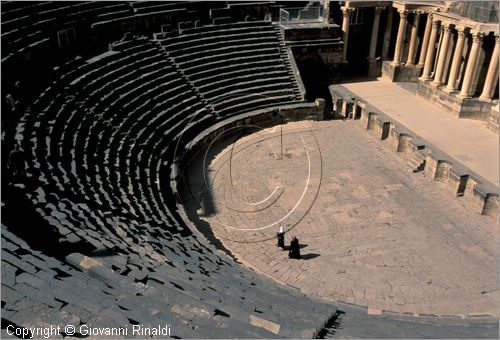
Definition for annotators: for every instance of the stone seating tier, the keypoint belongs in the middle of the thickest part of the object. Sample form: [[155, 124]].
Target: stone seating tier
[[101, 139]]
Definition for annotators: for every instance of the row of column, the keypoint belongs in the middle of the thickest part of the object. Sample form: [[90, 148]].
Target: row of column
[[400, 37], [428, 57]]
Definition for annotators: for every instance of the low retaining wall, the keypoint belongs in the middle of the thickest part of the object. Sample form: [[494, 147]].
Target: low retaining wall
[[480, 194], [470, 108]]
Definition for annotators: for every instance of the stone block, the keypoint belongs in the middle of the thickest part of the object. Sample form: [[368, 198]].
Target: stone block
[[456, 180], [392, 140], [493, 119], [471, 108], [430, 166], [491, 205], [380, 126], [442, 170], [400, 73]]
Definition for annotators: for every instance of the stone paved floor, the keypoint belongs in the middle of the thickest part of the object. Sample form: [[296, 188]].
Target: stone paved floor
[[372, 232], [469, 141]]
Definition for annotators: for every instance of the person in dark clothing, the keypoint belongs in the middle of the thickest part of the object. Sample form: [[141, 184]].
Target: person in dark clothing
[[17, 163], [281, 238], [294, 252]]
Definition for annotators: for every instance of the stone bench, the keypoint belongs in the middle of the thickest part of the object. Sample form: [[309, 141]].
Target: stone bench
[[235, 66], [219, 60]]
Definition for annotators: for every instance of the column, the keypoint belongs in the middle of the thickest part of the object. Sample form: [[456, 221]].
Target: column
[[431, 50], [387, 34], [373, 41], [346, 13], [443, 53], [477, 38], [413, 40], [326, 12], [457, 61], [425, 41], [400, 39], [492, 75]]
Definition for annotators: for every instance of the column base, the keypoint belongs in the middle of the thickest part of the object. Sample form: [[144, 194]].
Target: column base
[[436, 84], [448, 90], [463, 96], [485, 99]]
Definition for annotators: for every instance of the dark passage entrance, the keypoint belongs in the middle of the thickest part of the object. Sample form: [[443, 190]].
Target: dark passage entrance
[[316, 76]]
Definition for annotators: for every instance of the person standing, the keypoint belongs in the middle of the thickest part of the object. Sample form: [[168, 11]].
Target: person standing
[[281, 237], [294, 252], [17, 163]]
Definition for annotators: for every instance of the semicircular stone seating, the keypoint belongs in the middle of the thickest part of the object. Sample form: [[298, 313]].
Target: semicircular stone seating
[[27, 25], [236, 67], [96, 141]]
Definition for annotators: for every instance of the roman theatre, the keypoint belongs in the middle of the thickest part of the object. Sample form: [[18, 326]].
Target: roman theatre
[[153, 151]]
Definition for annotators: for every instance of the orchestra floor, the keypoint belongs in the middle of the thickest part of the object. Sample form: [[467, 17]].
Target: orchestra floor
[[372, 232]]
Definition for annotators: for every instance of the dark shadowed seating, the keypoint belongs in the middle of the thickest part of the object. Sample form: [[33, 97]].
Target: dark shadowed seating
[[100, 138], [247, 59]]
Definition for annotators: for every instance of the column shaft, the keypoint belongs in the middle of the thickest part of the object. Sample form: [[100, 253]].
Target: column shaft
[[457, 61], [431, 50], [387, 34], [401, 35], [373, 41], [346, 13], [326, 12], [492, 75], [413, 40], [425, 41], [443, 53], [477, 38]]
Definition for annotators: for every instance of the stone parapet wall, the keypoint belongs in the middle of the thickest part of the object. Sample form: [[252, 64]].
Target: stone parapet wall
[[479, 194], [493, 119]]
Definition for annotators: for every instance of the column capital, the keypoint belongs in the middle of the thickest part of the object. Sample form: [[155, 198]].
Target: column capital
[[497, 39], [461, 30], [346, 11], [379, 9], [446, 27], [417, 13], [477, 36], [403, 13], [416, 17], [435, 24]]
